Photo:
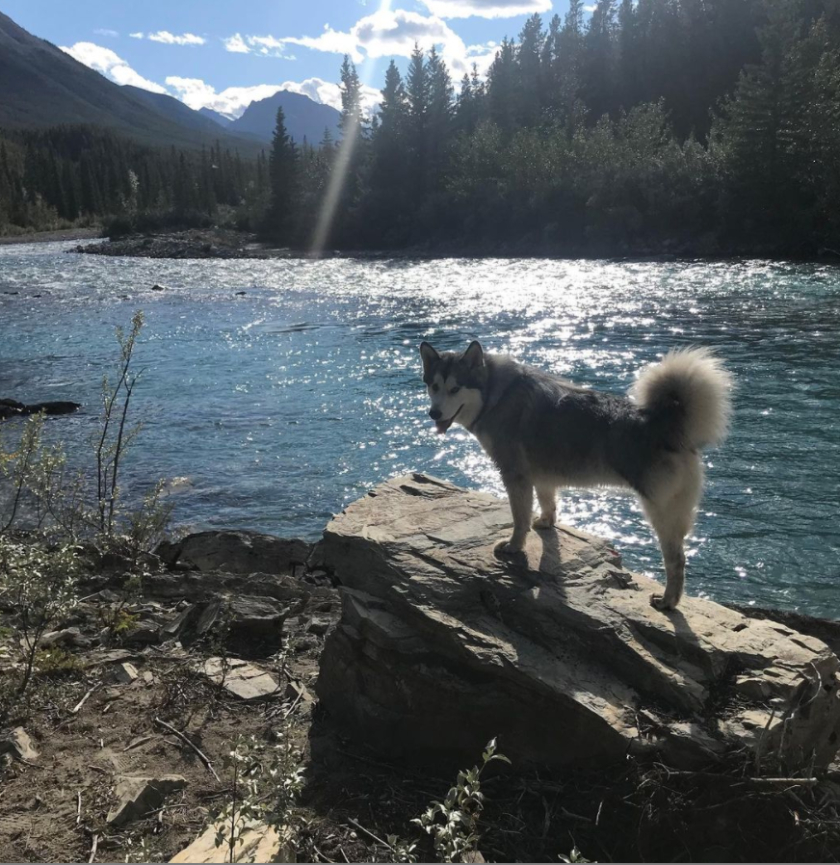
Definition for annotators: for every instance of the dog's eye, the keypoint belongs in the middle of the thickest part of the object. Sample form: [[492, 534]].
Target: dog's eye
[[454, 390], [435, 388]]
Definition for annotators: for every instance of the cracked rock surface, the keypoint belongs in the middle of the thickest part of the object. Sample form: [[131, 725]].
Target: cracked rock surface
[[442, 646]]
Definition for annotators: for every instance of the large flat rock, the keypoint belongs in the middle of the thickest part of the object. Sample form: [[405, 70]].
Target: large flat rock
[[442, 646]]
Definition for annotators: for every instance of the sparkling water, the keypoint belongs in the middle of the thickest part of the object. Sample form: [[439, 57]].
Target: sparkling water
[[274, 408]]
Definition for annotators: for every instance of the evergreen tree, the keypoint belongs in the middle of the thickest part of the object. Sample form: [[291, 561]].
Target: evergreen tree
[[282, 170], [439, 120], [418, 91], [530, 95]]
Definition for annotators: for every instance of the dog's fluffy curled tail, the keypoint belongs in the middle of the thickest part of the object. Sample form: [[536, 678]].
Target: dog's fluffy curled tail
[[688, 392]]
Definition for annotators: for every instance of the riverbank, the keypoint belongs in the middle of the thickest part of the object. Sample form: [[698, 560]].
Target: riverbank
[[226, 243], [61, 235], [157, 677]]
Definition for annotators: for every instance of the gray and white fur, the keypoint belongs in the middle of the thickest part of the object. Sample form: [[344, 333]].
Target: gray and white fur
[[544, 432]]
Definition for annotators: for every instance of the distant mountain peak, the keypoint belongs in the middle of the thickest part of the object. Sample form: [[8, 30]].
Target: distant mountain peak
[[41, 85], [305, 118]]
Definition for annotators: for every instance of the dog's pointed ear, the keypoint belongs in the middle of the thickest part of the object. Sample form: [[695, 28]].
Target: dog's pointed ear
[[474, 355], [429, 355]]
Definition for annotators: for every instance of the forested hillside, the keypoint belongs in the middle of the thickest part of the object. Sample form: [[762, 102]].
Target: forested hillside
[[695, 126], [55, 177]]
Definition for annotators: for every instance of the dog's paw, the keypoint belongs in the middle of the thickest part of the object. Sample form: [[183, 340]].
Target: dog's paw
[[506, 548], [660, 602], [544, 522]]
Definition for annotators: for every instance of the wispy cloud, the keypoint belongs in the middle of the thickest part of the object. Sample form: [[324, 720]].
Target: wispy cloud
[[110, 65], [104, 31], [167, 38], [485, 8]]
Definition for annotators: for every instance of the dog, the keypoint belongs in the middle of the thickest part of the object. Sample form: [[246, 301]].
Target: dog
[[544, 432]]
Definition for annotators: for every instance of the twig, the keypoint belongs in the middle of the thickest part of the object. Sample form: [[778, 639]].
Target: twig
[[370, 834], [293, 706], [93, 848], [138, 743], [344, 854], [781, 782], [81, 702], [195, 748], [78, 807], [572, 816]]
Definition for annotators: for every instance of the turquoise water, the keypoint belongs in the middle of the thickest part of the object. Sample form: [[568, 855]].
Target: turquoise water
[[276, 408]]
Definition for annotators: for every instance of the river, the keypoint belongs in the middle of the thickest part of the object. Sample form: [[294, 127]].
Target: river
[[276, 407]]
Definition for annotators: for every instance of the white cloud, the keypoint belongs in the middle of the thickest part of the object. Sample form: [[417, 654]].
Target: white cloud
[[386, 33], [110, 65], [236, 44], [167, 38], [138, 35], [485, 8], [268, 46], [331, 41], [233, 101], [104, 31]]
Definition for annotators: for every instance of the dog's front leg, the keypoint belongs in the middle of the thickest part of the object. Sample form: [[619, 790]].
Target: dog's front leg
[[521, 498]]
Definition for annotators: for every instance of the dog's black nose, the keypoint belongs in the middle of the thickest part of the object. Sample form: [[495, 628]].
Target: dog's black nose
[[434, 414]]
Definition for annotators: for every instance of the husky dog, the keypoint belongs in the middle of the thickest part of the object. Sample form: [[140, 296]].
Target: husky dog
[[544, 432]]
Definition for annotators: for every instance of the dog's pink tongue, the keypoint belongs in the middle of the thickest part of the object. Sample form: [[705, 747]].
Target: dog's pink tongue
[[442, 426]]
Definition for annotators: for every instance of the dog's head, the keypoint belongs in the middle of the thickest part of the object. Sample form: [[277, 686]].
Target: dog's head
[[455, 383]]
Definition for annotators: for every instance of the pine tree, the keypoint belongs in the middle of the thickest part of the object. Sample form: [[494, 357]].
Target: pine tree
[[417, 98], [440, 117], [599, 59], [502, 88], [530, 95], [283, 181]]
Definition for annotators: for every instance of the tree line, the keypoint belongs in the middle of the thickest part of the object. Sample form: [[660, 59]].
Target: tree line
[[75, 175], [685, 126], [690, 126]]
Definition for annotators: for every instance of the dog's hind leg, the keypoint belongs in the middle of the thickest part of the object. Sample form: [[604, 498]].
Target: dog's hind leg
[[548, 506], [672, 517], [521, 498]]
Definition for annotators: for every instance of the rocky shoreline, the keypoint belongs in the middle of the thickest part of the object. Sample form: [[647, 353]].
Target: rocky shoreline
[[392, 633], [190, 244], [228, 243]]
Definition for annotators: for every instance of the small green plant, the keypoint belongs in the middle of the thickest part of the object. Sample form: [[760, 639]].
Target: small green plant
[[265, 784], [142, 849], [40, 583], [57, 662], [453, 823]]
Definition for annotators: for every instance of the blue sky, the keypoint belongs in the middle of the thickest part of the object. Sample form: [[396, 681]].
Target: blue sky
[[223, 54]]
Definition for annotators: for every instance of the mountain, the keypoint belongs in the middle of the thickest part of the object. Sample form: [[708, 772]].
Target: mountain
[[304, 118], [41, 85], [215, 117], [175, 110]]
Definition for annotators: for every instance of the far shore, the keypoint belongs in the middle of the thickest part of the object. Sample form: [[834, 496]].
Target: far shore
[[227, 243], [52, 236]]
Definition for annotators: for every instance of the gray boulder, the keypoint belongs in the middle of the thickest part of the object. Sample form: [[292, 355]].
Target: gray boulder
[[442, 645], [237, 552]]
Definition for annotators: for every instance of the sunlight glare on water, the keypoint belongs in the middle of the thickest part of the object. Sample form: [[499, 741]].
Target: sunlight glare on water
[[276, 408]]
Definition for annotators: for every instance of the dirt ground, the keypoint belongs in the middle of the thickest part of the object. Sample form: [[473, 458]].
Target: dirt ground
[[54, 808]]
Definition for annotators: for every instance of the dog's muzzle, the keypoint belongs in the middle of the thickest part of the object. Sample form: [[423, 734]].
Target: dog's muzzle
[[443, 425]]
